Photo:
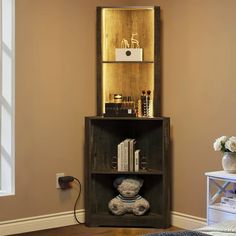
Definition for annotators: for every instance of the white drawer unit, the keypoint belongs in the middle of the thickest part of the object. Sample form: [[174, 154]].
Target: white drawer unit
[[216, 216], [217, 184]]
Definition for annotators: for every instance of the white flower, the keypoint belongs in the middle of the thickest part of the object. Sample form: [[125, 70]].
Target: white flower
[[218, 143], [231, 144]]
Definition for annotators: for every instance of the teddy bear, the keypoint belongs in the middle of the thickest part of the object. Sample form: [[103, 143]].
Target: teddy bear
[[128, 200]]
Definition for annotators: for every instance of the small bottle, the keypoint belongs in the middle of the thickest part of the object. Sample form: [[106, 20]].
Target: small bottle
[[131, 105], [143, 104], [139, 108], [149, 104]]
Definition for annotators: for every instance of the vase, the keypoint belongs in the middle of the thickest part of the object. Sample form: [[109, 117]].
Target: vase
[[229, 162]]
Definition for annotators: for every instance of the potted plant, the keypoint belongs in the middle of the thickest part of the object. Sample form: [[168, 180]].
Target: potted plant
[[227, 145]]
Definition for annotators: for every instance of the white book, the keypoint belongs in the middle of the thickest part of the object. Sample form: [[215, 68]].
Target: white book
[[126, 154], [136, 160], [122, 156], [131, 154], [119, 168]]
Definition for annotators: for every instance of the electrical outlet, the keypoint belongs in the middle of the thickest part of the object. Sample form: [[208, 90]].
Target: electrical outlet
[[57, 177]]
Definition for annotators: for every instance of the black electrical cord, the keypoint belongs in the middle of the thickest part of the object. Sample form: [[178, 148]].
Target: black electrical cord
[[64, 182], [76, 201]]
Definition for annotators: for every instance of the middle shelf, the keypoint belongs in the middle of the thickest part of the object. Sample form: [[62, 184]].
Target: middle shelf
[[115, 172], [151, 139]]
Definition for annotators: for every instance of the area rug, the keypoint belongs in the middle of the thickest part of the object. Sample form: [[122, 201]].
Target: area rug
[[178, 233]]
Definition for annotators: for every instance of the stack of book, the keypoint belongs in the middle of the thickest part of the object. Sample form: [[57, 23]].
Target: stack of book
[[228, 202], [128, 157]]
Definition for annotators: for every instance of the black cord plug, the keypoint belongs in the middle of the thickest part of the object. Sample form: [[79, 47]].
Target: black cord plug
[[64, 181]]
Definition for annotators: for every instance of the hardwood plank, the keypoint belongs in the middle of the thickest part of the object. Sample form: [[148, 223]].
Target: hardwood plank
[[82, 230]]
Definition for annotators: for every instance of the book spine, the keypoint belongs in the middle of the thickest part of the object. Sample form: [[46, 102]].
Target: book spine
[[126, 155], [131, 155], [119, 168], [122, 156], [136, 160]]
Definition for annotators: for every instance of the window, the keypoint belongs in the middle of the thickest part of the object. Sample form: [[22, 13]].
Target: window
[[7, 95]]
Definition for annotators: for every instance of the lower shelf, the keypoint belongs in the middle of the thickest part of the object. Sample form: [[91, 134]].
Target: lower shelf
[[217, 213], [219, 207], [107, 219]]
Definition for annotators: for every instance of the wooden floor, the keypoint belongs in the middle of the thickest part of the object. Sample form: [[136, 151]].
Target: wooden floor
[[82, 230]]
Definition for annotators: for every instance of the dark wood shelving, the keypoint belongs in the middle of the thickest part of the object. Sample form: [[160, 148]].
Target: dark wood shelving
[[103, 134], [102, 137]]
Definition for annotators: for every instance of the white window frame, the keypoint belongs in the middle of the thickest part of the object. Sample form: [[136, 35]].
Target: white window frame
[[7, 175]]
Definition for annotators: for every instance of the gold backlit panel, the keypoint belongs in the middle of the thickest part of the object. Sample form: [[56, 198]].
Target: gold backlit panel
[[128, 79], [118, 24]]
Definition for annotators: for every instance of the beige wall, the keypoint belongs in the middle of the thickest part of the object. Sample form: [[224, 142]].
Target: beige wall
[[56, 88], [199, 80]]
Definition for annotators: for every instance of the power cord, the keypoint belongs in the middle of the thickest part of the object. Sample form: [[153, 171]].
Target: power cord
[[76, 201], [64, 182]]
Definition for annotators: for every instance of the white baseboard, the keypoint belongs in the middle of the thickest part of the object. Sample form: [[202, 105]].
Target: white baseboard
[[42, 222], [185, 221]]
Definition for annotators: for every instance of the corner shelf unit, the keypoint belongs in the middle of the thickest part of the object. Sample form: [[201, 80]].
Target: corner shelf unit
[[103, 134], [102, 137]]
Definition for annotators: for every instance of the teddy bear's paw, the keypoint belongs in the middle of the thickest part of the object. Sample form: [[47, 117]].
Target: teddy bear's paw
[[116, 207], [141, 210], [117, 211], [141, 207]]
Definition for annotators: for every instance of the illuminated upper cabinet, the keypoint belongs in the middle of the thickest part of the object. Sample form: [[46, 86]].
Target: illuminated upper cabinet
[[121, 23], [128, 55]]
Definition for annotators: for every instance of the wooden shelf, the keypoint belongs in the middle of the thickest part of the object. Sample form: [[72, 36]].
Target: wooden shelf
[[115, 172], [127, 118], [128, 62], [107, 219]]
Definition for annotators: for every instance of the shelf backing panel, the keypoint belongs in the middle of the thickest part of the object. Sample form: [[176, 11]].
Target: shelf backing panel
[[121, 23]]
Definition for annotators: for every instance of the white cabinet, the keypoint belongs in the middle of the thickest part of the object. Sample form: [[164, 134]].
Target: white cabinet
[[217, 184]]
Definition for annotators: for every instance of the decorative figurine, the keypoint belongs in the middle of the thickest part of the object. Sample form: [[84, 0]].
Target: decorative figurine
[[134, 42], [124, 43]]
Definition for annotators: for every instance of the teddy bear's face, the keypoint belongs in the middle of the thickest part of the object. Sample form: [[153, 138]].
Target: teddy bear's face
[[129, 187]]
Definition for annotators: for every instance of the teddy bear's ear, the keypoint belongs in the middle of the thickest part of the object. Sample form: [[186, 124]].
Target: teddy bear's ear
[[118, 181], [141, 182]]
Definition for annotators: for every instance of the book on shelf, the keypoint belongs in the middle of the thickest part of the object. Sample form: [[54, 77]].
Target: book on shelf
[[126, 155], [229, 202], [131, 154], [119, 167], [136, 160], [227, 206]]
